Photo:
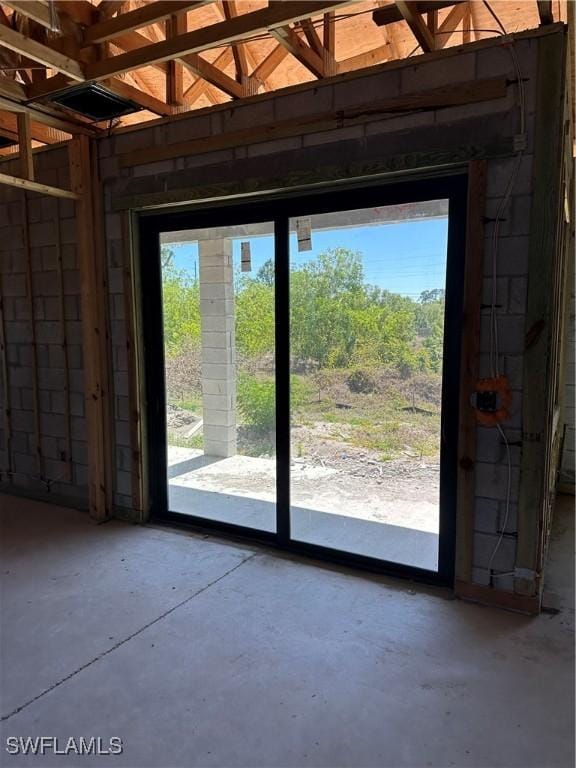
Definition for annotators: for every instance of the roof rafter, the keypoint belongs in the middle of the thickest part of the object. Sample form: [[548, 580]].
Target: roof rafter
[[139, 17], [37, 11], [450, 24], [25, 46], [412, 17], [225, 32]]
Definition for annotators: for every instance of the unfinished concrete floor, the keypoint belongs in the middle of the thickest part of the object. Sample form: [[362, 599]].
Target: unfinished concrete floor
[[196, 652]]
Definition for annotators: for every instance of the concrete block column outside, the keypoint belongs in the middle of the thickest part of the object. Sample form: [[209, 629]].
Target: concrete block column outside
[[218, 346]]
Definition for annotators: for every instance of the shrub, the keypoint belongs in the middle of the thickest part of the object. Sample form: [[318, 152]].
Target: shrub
[[257, 401], [361, 381], [256, 398]]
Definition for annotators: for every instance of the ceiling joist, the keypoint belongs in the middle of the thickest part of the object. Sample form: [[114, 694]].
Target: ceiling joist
[[140, 17], [19, 43], [416, 23]]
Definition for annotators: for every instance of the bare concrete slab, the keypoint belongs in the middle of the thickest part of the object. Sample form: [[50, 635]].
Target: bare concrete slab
[[262, 660], [329, 508]]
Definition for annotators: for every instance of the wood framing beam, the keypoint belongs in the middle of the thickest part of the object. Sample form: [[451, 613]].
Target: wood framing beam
[[329, 33], [416, 23], [34, 186], [36, 11], [94, 325], [312, 36], [224, 32], [298, 48], [201, 86], [143, 99], [469, 368], [389, 14], [450, 24], [238, 50], [80, 11], [207, 71], [139, 17], [25, 146], [545, 11], [15, 41], [368, 59], [175, 25], [270, 63], [13, 98], [9, 126]]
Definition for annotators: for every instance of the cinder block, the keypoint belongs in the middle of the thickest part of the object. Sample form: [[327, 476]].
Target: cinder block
[[222, 355], [501, 294], [441, 72], [486, 513], [214, 274], [500, 172], [13, 285], [238, 118], [51, 378], [492, 481], [193, 127], [218, 402], [308, 102], [399, 124], [512, 256], [517, 294], [217, 340], [367, 89], [42, 233], [210, 291], [154, 169], [511, 334], [484, 546], [53, 425], [481, 576], [214, 323], [329, 137], [216, 307], [219, 418], [220, 157], [273, 147]]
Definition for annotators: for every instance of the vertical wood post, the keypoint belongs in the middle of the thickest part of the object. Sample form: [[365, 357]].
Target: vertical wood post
[[25, 146], [469, 368], [94, 305]]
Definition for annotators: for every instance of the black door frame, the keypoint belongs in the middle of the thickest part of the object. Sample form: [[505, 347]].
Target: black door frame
[[279, 210]]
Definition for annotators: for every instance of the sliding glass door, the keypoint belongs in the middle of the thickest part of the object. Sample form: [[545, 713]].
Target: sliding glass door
[[219, 372], [367, 294], [300, 354]]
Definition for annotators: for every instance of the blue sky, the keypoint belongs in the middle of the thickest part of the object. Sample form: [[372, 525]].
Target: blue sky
[[405, 258]]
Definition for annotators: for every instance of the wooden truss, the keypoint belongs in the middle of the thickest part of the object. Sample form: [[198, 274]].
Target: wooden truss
[[169, 56]]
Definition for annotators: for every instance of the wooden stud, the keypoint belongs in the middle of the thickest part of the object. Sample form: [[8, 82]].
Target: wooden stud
[[33, 344], [25, 146], [363, 60], [469, 367], [175, 25], [93, 295], [312, 36], [9, 125], [238, 50], [64, 344]]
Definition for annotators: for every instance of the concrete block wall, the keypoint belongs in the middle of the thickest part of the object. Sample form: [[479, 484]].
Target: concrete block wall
[[480, 123], [61, 476]]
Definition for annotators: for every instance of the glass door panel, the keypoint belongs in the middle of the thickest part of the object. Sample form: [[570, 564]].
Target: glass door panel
[[367, 292], [219, 324]]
